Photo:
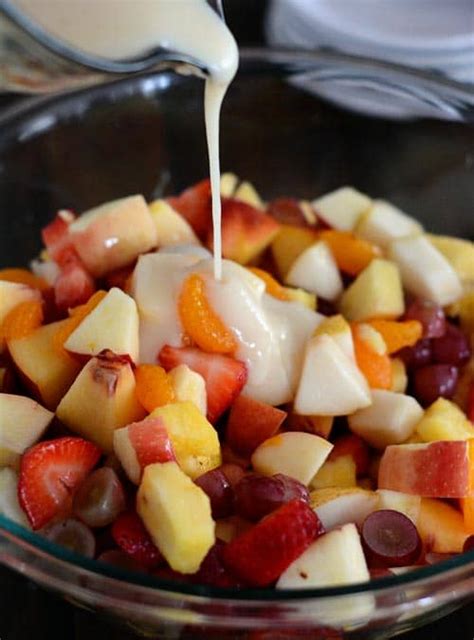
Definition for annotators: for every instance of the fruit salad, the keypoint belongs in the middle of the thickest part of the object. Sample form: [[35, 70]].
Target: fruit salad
[[307, 420]]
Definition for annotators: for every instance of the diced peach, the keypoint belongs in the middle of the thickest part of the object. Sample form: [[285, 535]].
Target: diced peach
[[441, 527], [340, 472]]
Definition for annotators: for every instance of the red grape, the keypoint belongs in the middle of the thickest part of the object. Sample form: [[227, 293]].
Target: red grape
[[431, 316], [434, 381], [119, 558], [417, 356], [452, 348], [257, 495], [73, 535], [233, 472], [219, 490], [390, 539], [100, 498], [468, 544]]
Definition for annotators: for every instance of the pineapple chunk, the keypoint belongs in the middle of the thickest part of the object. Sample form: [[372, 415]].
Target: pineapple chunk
[[177, 515], [228, 184], [376, 293], [195, 441], [464, 310], [443, 420], [189, 386], [340, 472]]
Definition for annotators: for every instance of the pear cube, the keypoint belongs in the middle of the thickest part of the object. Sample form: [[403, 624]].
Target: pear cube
[[342, 208], [316, 270], [403, 502], [459, 253], [383, 222], [336, 506], [340, 331]]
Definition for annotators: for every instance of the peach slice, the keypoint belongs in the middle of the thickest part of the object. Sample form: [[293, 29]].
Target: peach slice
[[441, 527]]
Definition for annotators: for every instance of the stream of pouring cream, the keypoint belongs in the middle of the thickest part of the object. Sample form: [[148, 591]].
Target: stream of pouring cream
[[120, 29]]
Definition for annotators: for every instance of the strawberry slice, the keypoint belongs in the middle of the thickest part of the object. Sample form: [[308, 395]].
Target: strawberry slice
[[194, 204], [49, 473], [56, 237], [260, 555], [130, 534], [225, 377], [74, 285]]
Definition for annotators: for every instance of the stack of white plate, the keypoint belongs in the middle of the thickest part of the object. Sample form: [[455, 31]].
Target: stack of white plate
[[434, 35]]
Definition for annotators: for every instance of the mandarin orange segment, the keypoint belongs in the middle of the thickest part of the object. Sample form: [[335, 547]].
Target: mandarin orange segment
[[76, 316], [22, 320], [398, 334], [199, 320], [153, 386], [272, 286], [23, 276], [376, 367], [352, 254]]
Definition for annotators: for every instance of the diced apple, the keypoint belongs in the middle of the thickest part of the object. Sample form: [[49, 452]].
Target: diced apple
[[340, 472], [101, 399], [407, 504], [399, 376], [383, 222], [342, 208], [250, 423], [340, 331], [330, 383], [289, 243], [189, 386], [22, 422], [425, 272], [11, 295], [316, 270], [228, 184], [113, 234], [171, 227], [459, 253], [375, 293], [113, 324], [336, 506], [319, 425], [247, 193], [441, 527], [177, 515], [444, 420], [295, 454], [9, 504], [390, 419], [432, 470], [194, 439], [47, 370]]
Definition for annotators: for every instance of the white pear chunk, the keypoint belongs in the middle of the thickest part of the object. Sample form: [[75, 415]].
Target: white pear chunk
[[22, 422], [424, 270], [407, 504], [189, 386], [340, 331], [335, 558], [336, 506], [9, 505], [171, 227], [294, 453], [390, 419], [376, 293], [384, 222], [330, 383], [316, 270], [113, 324], [342, 208]]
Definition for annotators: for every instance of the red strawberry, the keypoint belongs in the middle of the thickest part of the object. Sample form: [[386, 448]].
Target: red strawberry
[[130, 534], [50, 472], [56, 237], [355, 446], [260, 555], [194, 204], [225, 377], [74, 285]]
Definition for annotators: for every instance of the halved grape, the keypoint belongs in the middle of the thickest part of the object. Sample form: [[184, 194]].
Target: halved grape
[[419, 355], [452, 348], [431, 316], [435, 381], [220, 492], [73, 535], [257, 495], [390, 539], [100, 498], [233, 472]]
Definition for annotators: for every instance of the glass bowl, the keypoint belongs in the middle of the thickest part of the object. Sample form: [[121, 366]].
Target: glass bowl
[[146, 134]]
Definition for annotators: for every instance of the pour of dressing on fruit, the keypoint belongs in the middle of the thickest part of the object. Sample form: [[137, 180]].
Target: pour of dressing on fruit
[[120, 29]]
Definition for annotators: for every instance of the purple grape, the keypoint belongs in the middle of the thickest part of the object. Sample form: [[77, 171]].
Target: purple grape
[[220, 492], [430, 315], [73, 535], [417, 356], [468, 544], [100, 498], [452, 348], [390, 539], [257, 495], [434, 381]]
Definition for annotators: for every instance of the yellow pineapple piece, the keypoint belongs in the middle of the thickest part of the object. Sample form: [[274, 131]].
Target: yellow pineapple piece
[[177, 514], [189, 386], [195, 441], [443, 420], [340, 472]]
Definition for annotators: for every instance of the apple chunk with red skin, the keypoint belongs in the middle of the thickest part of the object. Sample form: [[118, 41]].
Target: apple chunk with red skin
[[433, 470], [113, 234], [101, 399]]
